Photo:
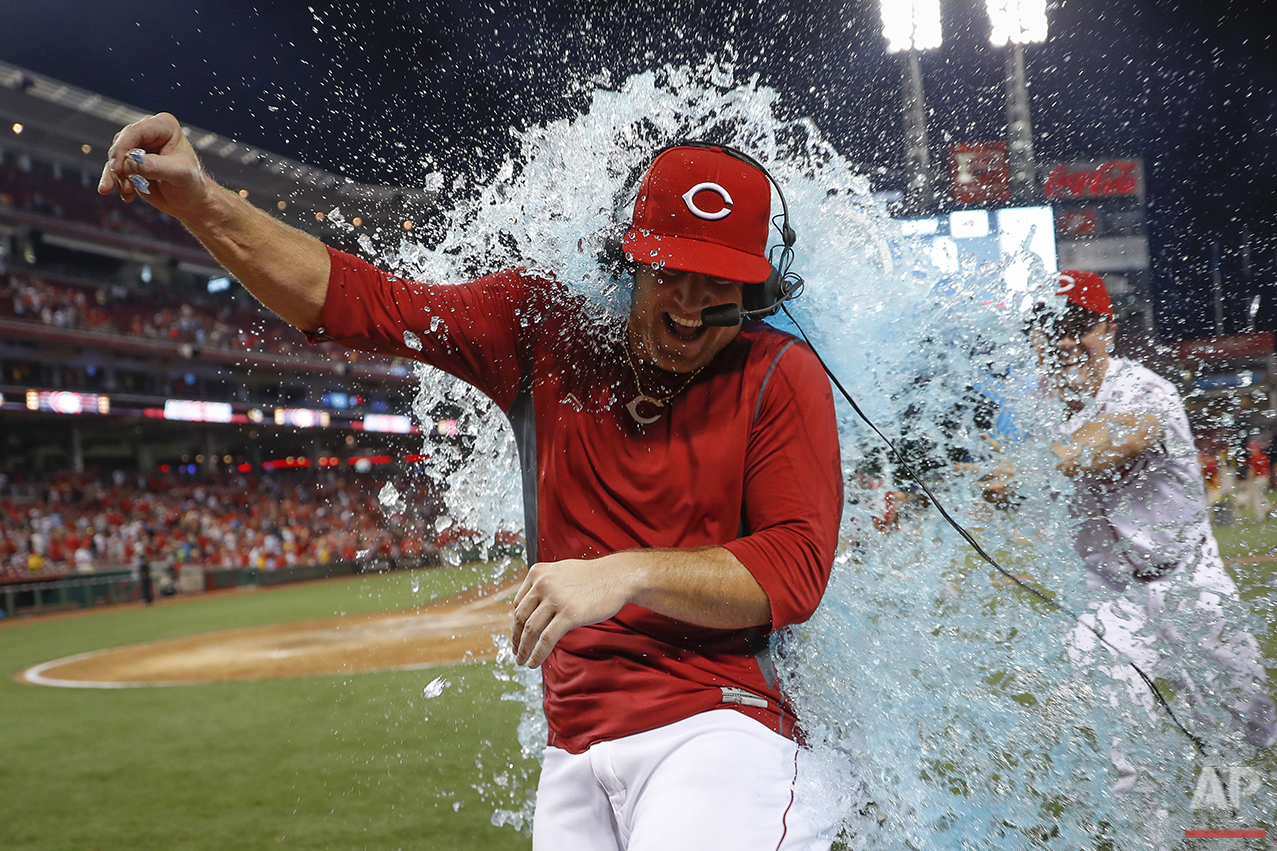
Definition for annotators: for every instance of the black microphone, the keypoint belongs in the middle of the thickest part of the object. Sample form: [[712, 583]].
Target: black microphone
[[721, 315]]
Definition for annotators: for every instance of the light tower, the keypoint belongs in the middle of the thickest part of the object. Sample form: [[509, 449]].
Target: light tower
[[1017, 23], [910, 27]]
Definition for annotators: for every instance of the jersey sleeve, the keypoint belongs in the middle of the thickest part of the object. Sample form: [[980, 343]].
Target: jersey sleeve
[[1150, 395], [793, 489], [477, 331]]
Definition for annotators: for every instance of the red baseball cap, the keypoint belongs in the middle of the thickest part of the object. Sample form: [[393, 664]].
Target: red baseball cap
[[702, 210], [1086, 289]]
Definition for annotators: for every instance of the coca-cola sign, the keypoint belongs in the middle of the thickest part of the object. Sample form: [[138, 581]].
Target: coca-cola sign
[[1102, 179]]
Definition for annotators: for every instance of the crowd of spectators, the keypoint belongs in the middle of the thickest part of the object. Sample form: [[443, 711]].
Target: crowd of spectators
[[83, 524], [113, 309], [37, 190]]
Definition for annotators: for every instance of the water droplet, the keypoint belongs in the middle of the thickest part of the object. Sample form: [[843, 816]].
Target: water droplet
[[412, 341], [391, 500], [434, 688]]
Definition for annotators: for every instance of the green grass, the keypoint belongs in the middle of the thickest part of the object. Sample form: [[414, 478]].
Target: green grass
[[346, 762], [1247, 538], [1254, 544]]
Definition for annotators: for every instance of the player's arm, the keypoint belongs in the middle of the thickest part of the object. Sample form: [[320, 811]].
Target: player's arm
[[1107, 442], [702, 586], [286, 269]]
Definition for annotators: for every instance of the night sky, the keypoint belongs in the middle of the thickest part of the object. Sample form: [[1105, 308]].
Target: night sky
[[387, 92]]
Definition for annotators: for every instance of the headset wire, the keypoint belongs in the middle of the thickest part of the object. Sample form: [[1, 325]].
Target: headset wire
[[975, 545]]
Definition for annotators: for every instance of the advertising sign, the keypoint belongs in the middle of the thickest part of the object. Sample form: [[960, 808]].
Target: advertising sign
[[394, 423], [1222, 348], [1095, 179], [978, 172], [197, 412], [302, 418], [66, 402]]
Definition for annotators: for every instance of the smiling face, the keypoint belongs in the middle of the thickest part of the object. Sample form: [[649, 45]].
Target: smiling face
[[665, 317]]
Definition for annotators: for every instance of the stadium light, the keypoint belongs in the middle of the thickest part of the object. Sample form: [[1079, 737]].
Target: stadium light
[[1016, 21], [911, 24]]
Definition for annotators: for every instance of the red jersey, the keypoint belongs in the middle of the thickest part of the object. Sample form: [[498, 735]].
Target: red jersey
[[745, 456], [1258, 465]]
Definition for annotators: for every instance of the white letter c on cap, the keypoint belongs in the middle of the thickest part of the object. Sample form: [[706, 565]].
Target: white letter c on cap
[[1067, 283], [696, 211]]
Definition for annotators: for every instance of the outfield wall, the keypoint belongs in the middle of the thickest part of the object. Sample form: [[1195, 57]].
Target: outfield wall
[[85, 590]]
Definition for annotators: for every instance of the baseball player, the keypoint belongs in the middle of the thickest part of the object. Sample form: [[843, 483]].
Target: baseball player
[[1143, 531], [681, 483]]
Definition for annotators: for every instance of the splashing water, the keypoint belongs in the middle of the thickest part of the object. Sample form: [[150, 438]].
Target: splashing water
[[939, 700], [392, 501], [434, 688]]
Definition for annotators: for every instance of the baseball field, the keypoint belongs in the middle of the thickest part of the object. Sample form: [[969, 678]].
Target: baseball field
[[338, 760], [334, 752]]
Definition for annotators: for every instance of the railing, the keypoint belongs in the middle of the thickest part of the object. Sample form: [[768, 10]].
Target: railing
[[81, 590], [75, 591]]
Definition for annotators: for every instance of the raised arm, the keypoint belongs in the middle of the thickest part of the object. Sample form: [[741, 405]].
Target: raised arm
[[286, 269], [1107, 442]]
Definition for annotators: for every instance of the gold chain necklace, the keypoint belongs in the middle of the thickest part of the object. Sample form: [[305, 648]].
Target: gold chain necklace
[[633, 405]]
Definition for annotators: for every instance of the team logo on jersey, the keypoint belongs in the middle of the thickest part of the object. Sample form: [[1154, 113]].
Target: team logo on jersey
[[689, 198]]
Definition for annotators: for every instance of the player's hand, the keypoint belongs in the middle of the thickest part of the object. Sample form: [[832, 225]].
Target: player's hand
[[1070, 454], [998, 485], [562, 595], [170, 169]]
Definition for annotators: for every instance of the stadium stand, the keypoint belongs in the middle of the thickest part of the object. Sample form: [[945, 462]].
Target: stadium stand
[[82, 524], [148, 405]]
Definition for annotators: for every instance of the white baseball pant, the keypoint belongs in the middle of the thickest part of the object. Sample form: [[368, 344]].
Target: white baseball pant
[[717, 780]]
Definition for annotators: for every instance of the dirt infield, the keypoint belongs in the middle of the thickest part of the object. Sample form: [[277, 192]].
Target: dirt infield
[[446, 632]]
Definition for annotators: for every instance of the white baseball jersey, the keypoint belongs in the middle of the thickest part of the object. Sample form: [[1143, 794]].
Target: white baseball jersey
[[1147, 518], [1145, 535]]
